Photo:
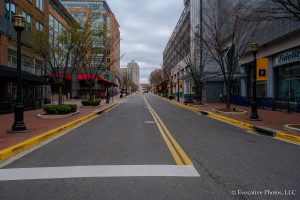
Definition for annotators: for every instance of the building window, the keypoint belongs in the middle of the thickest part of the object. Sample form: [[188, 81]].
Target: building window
[[39, 26], [108, 35], [10, 10], [12, 60], [107, 52], [108, 23], [28, 21], [40, 4], [108, 60], [288, 82]]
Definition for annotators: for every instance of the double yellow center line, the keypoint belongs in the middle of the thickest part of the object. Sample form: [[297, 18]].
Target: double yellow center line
[[180, 157]]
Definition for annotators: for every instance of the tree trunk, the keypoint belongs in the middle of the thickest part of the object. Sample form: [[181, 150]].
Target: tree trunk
[[91, 93], [198, 93], [60, 95], [228, 89]]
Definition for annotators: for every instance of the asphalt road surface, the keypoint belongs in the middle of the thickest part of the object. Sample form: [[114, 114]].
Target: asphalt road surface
[[147, 148]]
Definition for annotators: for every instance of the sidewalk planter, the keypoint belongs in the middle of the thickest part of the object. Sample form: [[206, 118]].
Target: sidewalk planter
[[93, 102], [46, 116], [237, 112], [293, 128], [60, 109]]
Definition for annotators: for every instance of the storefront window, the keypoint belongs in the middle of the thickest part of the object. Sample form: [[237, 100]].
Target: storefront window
[[289, 82]]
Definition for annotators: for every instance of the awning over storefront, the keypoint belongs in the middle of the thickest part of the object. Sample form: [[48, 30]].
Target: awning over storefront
[[82, 77], [67, 76]]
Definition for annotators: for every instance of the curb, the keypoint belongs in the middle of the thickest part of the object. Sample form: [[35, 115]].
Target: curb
[[259, 129], [215, 116], [10, 151]]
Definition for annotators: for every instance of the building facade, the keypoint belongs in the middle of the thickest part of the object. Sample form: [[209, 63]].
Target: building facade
[[279, 43], [98, 15], [133, 71], [36, 13]]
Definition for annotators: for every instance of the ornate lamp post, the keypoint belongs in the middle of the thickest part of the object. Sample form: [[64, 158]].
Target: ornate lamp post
[[178, 92], [19, 125], [254, 115]]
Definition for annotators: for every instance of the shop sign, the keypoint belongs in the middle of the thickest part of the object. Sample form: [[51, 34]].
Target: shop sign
[[262, 69], [288, 57]]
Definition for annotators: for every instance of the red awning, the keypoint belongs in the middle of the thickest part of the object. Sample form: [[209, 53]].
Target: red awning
[[100, 78], [85, 76], [66, 76]]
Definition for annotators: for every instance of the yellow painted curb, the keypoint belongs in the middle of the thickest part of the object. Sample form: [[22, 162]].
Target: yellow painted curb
[[10, 151], [215, 116], [231, 121], [180, 105], [250, 127], [288, 137]]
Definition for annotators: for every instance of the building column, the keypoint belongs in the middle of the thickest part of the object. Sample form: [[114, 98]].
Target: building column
[[75, 86], [243, 82], [271, 80]]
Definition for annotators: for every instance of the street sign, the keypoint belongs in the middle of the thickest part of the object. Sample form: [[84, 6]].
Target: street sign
[[262, 69], [181, 83]]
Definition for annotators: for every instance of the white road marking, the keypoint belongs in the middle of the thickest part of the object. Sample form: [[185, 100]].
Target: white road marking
[[98, 171]]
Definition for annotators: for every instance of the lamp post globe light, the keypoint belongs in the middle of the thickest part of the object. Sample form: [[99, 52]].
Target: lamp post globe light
[[19, 125], [254, 114]]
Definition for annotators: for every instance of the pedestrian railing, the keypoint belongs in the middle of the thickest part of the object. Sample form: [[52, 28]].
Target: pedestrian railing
[[269, 103]]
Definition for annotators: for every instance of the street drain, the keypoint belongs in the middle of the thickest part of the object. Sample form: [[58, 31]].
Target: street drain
[[149, 122]]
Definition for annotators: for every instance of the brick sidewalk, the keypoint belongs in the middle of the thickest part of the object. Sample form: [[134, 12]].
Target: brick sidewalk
[[271, 119], [39, 126]]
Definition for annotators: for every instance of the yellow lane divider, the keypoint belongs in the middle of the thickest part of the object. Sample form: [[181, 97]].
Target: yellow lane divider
[[172, 144]]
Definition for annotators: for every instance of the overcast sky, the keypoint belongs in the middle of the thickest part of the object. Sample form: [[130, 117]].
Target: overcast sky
[[146, 26]]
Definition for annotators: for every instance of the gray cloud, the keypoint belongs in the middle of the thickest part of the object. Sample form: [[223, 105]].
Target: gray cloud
[[146, 26]]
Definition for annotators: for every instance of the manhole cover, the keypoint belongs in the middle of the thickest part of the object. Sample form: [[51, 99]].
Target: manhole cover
[[149, 122]]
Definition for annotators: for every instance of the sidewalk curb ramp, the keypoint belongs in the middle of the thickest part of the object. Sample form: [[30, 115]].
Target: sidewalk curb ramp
[[10, 151], [259, 129]]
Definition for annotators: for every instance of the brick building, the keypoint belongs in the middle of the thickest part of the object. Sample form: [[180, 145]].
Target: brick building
[[98, 16], [36, 14], [47, 16]]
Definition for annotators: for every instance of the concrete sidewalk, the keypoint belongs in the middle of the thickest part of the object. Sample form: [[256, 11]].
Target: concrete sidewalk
[[39, 126], [269, 118]]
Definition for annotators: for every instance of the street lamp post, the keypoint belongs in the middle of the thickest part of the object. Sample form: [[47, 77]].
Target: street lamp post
[[254, 115], [190, 94], [178, 99], [19, 125], [107, 97]]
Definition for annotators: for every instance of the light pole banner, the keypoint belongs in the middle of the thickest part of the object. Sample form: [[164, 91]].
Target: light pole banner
[[262, 69]]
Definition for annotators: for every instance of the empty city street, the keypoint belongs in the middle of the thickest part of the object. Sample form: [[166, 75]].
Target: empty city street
[[148, 148]]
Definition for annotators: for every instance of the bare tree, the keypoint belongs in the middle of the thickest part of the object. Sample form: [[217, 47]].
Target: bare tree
[[124, 81], [227, 36], [277, 9], [194, 59], [156, 78], [166, 76], [95, 57], [60, 50]]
